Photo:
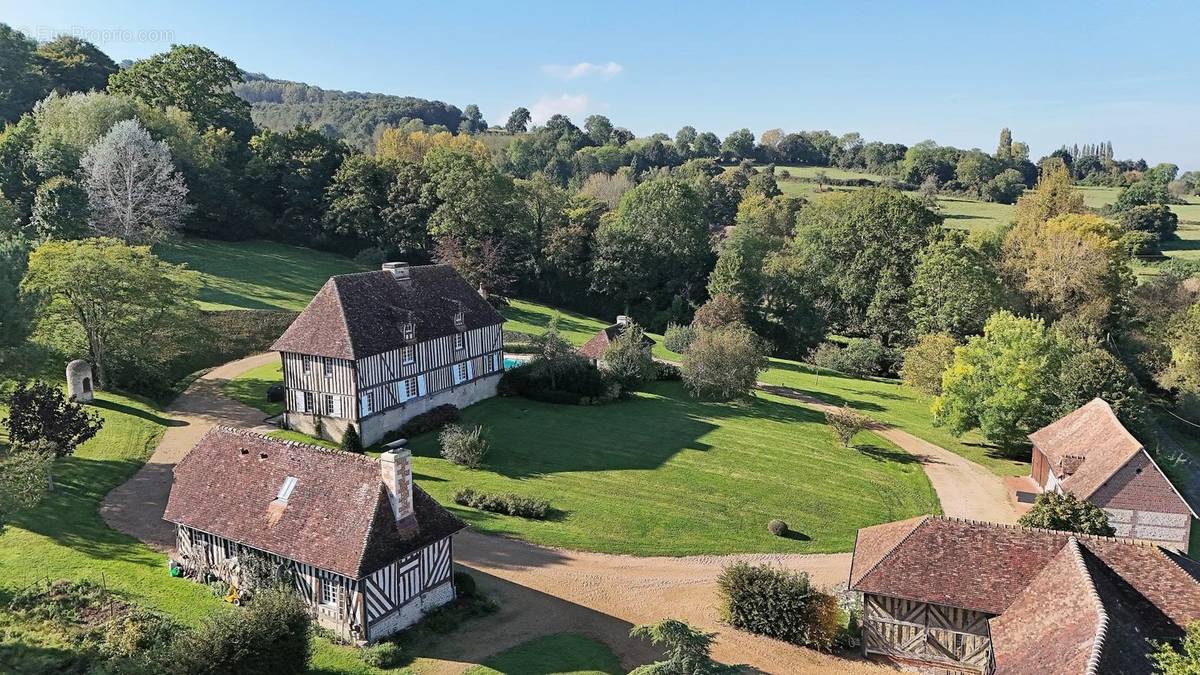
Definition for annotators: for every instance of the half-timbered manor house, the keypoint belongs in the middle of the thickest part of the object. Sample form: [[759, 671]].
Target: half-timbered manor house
[[1091, 455], [959, 596], [374, 349], [369, 551]]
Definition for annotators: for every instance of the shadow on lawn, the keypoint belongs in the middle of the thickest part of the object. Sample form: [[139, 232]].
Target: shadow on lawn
[[69, 514], [882, 454], [137, 412], [531, 439], [567, 322]]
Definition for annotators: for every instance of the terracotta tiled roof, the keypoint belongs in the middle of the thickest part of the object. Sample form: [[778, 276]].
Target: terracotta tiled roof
[[358, 315], [1086, 447], [958, 563], [594, 348], [336, 518], [1034, 635], [1066, 603]]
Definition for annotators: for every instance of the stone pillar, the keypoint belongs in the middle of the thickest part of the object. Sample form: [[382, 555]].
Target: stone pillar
[[80, 382]]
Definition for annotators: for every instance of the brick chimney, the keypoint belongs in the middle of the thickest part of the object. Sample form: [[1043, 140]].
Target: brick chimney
[[395, 470]]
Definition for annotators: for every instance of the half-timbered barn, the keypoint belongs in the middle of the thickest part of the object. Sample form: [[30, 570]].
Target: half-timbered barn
[[1091, 455], [593, 350], [376, 348], [957, 596], [366, 548]]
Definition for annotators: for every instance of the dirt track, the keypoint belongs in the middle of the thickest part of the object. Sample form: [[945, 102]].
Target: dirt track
[[543, 591]]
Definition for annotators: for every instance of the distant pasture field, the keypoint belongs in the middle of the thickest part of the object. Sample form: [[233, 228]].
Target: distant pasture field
[[255, 274]]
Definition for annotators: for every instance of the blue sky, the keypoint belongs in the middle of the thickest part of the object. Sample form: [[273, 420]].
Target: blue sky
[[1054, 72]]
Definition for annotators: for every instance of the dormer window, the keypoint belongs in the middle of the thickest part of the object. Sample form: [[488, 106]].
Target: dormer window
[[460, 319], [409, 330], [285, 490]]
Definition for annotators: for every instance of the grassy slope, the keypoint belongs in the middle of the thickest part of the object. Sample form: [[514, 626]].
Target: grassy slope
[[561, 654], [256, 274]]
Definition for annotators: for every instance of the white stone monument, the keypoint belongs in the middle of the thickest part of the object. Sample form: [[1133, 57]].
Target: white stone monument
[[79, 381]]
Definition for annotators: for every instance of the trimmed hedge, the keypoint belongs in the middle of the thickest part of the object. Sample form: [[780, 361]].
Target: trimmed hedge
[[506, 503], [779, 604], [580, 384], [667, 372]]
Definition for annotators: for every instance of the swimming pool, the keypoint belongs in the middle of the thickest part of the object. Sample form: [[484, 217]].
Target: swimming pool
[[510, 363]]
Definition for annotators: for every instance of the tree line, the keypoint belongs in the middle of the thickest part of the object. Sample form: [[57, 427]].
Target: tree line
[[595, 219]]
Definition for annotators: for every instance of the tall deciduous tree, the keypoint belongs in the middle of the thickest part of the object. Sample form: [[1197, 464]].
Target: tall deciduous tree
[[194, 79], [860, 251], [656, 248], [1003, 383], [73, 64], [60, 209], [955, 288], [134, 191], [120, 298], [1072, 265], [724, 363], [289, 173], [22, 79], [1054, 196], [518, 121]]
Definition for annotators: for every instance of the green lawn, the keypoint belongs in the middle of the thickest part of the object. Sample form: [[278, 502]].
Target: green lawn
[[886, 401], [663, 474], [65, 538], [256, 274], [561, 654], [250, 387]]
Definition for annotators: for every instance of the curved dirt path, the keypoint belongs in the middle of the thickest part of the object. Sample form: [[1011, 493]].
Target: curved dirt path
[[136, 507], [543, 591]]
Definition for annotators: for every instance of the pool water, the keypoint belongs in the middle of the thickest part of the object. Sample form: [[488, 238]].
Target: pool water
[[509, 364]]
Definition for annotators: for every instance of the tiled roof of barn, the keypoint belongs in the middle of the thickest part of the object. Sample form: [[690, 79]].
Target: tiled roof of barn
[[359, 315], [337, 517], [1117, 592], [596, 346], [1090, 443]]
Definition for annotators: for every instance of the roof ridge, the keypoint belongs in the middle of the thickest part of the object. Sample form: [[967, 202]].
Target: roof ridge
[[381, 271], [1093, 664], [923, 519], [291, 443], [1146, 543]]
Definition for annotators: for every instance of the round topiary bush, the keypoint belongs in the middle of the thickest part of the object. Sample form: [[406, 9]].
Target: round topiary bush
[[465, 584], [777, 527], [275, 393]]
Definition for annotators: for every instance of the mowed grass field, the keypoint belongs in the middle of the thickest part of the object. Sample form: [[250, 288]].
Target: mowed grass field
[[255, 274], [664, 474]]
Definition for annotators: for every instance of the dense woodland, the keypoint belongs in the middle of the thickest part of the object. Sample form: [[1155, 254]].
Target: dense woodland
[[95, 158]]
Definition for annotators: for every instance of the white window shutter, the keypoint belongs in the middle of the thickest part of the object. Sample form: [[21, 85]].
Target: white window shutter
[[401, 391], [454, 374], [337, 407], [364, 405], [470, 370], [299, 401], [420, 385]]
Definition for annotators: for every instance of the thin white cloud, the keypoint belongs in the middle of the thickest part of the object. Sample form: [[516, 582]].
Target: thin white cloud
[[570, 72], [571, 105]]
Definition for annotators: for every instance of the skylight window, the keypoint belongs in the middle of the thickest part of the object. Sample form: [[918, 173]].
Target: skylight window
[[286, 490]]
